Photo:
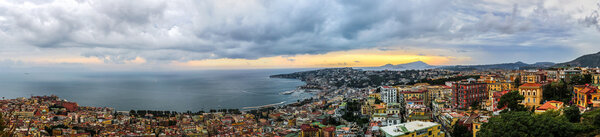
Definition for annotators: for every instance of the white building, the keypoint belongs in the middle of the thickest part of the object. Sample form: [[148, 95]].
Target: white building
[[415, 128], [389, 94]]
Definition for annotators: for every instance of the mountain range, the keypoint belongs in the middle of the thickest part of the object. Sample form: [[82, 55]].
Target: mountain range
[[417, 65], [420, 65], [516, 65], [590, 60]]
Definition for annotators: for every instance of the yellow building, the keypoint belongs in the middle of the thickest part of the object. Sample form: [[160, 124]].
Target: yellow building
[[532, 93], [393, 108], [499, 86], [438, 92], [476, 128], [596, 79], [379, 108], [587, 97], [415, 97], [375, 95], [532, 77], [414, 129], [366, 109]]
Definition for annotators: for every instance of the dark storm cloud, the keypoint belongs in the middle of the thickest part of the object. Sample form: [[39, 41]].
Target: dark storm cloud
[[117, 31]]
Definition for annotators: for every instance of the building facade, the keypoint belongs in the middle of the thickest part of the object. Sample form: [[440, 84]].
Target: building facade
[[466, 93], [389, 94], [532, 93], [415, 97], [587, 97]]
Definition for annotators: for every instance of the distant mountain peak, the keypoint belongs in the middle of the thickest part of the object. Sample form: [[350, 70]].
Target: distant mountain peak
[[417, 65], [520, 63], [417, 62], [388, 65]]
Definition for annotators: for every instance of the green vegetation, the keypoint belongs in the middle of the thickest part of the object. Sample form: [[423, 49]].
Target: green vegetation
[[526, 124], [572, 114], [378, 101], [2, 127], [592, 119], [475, 105], [511, 100], [461, 131], [581, 79], [517, 82], [351, 111], [559, 91]]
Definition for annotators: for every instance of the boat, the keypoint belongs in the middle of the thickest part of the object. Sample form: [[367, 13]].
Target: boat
[[288, 92]]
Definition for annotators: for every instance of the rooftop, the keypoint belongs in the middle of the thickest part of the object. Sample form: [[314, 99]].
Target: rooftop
[[404, 128], [531, 85], [549, 105]]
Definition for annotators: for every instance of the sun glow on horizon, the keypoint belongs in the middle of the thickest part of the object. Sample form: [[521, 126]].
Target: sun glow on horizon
[[352, 58]]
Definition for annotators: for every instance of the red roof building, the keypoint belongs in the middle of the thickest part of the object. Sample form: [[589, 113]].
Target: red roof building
[[550, 105]]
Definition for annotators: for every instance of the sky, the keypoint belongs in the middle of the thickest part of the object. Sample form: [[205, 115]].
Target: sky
[[234, 34]]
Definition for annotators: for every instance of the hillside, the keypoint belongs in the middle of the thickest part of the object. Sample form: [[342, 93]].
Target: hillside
[[589, 60]]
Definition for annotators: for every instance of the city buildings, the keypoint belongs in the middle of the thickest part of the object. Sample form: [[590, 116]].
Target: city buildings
[[494, 98]]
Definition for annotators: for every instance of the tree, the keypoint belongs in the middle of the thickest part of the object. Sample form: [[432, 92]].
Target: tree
[[459, 130], [378, 101], [2, 127], [511, 100], [557, 91], [475, 105], [572, 114], [597, 121], [517, 82], [581, 79], [526, 124]]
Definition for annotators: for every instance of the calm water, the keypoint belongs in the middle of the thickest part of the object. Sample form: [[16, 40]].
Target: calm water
[[179, 91]]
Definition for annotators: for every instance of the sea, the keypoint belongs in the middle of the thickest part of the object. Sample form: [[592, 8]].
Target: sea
[[168, 91]]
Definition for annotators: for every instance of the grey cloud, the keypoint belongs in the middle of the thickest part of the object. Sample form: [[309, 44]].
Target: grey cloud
[[592, 20], [500, 22], [118, 31], [111, 57]]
